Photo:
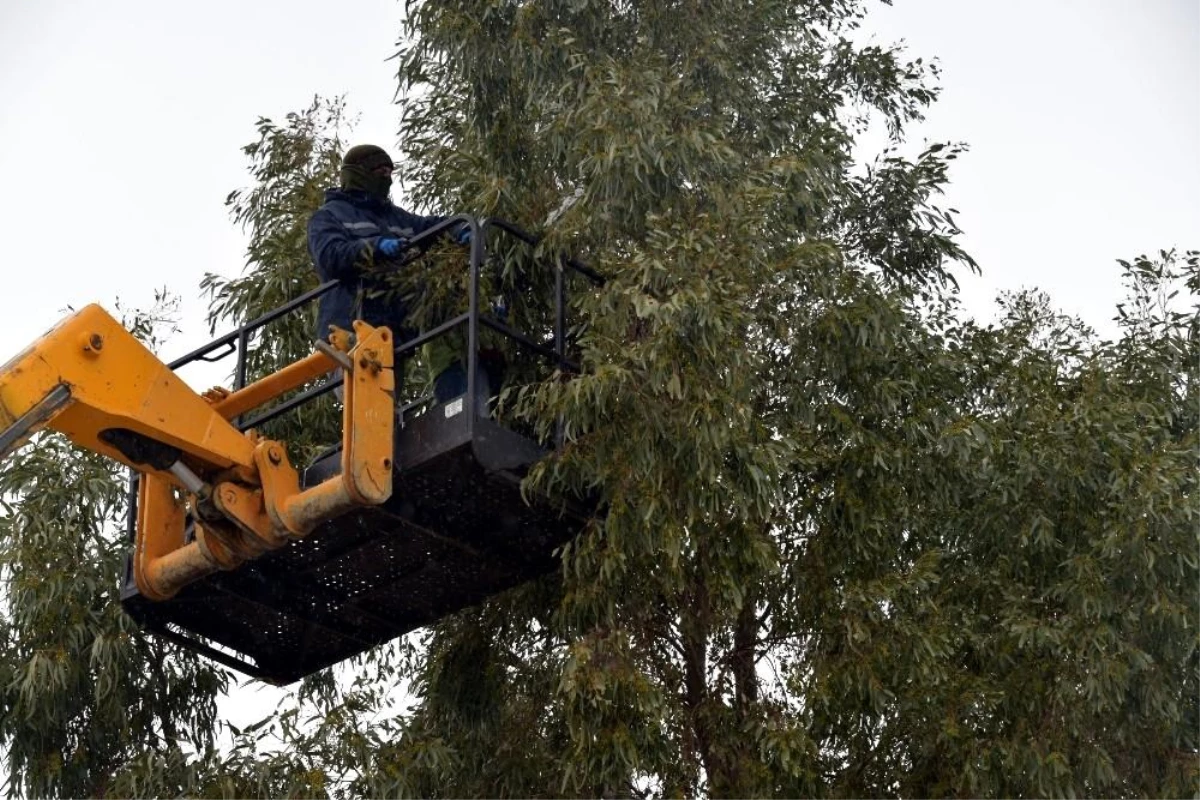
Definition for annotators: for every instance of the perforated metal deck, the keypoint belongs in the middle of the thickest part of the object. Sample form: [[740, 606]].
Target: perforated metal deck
[[455, 532]]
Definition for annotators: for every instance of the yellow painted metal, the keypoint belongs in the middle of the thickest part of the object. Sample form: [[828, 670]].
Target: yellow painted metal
[[276, 510], [165, 576], [213, 541], [327, 500], [370, 411], [368, 420], [244, 506], [164, 562], [340, 338], [160, 531], [262, 391], [115, 382], [280, 481], [250, 499], [367, 425]]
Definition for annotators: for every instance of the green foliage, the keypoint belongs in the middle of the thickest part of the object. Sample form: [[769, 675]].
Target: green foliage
[[849, 542], [291, 164], [91, 705], [82, 690], [857, 545], [997, 578]]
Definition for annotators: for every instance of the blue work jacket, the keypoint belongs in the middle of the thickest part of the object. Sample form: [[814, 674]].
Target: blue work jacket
[[343, 239]]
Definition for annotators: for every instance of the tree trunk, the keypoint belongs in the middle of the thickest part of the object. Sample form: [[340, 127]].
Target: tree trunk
[[694, 627], [744, 656]]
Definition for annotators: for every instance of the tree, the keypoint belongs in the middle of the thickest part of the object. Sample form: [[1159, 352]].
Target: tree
[[860, 545], [290, 165]]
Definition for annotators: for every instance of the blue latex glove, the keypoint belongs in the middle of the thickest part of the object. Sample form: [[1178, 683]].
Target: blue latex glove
[[463, 236], [389, 247], [500, 307]]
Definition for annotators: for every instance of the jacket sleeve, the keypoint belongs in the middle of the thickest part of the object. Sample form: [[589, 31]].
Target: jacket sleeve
[[335, 253]]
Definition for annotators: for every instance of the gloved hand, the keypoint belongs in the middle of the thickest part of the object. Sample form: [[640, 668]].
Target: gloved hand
[[390, 247], [464, 235], [500, 307]]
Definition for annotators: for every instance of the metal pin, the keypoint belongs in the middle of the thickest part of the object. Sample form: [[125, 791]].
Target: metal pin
[[190, 480]]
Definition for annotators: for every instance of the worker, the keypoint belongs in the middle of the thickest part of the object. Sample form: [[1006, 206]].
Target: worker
[[354, 237]]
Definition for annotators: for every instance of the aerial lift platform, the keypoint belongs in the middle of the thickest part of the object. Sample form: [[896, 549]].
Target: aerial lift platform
[[281, 571]]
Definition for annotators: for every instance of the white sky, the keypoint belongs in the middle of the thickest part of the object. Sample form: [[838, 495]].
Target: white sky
[[121, 124], [1083, 118]]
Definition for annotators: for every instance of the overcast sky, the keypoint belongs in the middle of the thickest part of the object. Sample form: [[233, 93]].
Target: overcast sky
[[1083, 119], [121, 123]]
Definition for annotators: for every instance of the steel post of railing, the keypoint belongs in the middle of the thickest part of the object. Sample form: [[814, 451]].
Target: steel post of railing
[[239, 339], [477, 255]]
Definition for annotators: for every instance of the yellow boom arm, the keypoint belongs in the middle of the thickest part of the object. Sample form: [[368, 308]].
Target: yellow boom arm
[[93, 381]]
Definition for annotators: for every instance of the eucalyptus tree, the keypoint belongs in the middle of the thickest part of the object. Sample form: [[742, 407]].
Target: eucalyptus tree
[[290, 165], [846, 542]]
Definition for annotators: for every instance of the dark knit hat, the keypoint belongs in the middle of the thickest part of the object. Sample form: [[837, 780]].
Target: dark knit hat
[[367, 156]]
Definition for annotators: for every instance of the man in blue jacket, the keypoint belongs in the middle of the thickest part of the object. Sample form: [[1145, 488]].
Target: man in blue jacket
[[354, 236]]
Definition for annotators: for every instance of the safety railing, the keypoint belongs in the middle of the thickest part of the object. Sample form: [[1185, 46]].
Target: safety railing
[[238, 340], [555, 350]]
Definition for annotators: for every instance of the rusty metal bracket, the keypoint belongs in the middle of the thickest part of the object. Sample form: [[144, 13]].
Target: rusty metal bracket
[[246, 508], [368, 420], [369, 417], [254, 508]]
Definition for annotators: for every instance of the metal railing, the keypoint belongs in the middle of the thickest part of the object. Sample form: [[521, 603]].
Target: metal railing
[[555, 350]]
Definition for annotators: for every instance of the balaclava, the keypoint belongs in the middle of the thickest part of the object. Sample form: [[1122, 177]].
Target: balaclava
[[358, 167]]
